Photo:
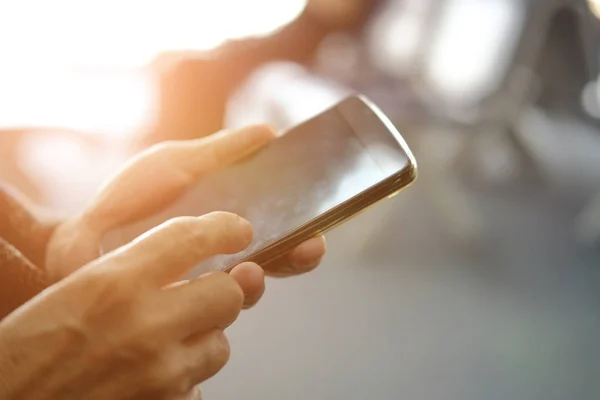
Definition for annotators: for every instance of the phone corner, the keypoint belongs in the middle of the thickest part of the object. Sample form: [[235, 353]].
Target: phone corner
[[413, 171]]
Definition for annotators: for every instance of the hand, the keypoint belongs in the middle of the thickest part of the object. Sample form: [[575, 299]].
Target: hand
[[123, 327], [152, 181]]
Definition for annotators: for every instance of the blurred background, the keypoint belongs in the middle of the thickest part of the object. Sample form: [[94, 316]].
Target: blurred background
[[480, 282]]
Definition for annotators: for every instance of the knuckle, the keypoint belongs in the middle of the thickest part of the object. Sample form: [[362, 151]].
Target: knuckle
[[139, 346], [127, 343], [231, 296], [138, 340], [221, 350], [167, 156], [168, 370], [104, 300], [232, 232], [189, 233], [217, 232], [218, 353], [211, 154]]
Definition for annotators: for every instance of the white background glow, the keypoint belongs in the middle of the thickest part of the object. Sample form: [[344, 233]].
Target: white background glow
[[77, 64], [130, 32], [473, 47]]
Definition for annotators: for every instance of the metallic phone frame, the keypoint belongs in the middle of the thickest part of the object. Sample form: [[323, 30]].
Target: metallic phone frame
[[359, 113]]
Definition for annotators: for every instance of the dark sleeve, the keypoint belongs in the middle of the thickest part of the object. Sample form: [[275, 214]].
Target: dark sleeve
[[23, 241]]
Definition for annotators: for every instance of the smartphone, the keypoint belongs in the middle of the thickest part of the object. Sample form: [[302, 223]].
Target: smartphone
[[314, 177]]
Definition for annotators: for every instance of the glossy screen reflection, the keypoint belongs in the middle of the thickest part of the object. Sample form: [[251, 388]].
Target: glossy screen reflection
[[310, 170]]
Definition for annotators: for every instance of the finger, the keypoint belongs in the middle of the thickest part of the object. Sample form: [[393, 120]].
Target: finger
[[218, 150], [191, 362], [212, 301], [158, 176], [304, 258], [251, 279], [164, 254], [194, 394], [206, 355]]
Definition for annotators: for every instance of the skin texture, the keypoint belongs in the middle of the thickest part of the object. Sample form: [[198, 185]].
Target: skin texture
[[134, 332], [123, 326]]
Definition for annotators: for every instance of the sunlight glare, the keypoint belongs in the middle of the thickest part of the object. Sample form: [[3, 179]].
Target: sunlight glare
[[472, 47], [78, 64], [131, 33]]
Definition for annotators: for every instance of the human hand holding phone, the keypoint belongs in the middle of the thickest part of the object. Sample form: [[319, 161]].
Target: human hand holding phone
[[151, 182], [125, 326], [314, 177], [135, 319]]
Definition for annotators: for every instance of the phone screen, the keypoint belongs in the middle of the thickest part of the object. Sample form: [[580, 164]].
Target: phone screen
[[309, 170]]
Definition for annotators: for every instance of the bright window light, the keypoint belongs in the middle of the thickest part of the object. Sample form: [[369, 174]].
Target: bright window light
[[473, 47], [76, 64], [395, 38], [595, 7], [130, 32]]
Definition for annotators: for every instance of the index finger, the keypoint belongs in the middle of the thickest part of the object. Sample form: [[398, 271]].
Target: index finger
[[158, 176], [164, 254], [217, 150]]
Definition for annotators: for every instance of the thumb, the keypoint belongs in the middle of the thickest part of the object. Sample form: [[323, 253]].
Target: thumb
[[159, 175], [145, 185]]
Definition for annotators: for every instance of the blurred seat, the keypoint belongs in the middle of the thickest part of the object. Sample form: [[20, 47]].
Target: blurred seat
[[486, 67]]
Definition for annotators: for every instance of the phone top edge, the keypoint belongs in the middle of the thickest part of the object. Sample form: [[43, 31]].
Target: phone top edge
[[385, 120], [377, 134]]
